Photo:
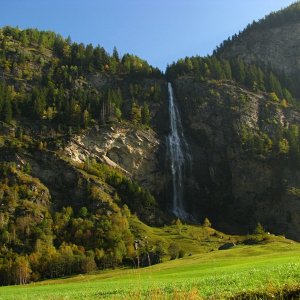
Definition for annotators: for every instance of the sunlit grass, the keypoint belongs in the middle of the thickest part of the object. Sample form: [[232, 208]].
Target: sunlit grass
[[267, 270]]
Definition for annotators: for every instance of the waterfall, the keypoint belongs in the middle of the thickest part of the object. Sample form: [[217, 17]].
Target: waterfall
[[179, 157]]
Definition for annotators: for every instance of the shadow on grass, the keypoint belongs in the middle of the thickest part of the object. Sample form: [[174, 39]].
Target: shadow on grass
[[286, 293]]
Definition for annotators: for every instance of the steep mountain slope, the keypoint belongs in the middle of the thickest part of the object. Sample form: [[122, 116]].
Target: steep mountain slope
[[273, 41], [242, 123], [83, 146], [245, 152], [53, 90]]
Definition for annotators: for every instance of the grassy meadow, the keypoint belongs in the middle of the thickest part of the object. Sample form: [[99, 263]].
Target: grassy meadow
[[268, 270]]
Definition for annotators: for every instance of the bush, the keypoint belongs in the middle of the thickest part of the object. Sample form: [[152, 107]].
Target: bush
[[88, 265], [160, 250], [173, 251], [259, 229], [181, 253], [206, 223]]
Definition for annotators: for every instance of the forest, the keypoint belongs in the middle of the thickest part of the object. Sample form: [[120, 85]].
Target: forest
[[45, 78]]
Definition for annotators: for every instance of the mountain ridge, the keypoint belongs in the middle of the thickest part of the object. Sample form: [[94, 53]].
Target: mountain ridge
[[270, 41]]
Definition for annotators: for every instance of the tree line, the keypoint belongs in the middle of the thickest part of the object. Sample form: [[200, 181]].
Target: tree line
[[53, 85], [84, 57], [257, 78], [280, 18]]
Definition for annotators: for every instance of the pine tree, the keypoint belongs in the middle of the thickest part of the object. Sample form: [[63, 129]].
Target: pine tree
[[206, 223], [287, 95], [116, 55], [85, 118], [24, 38], [135, 114], [7, 113], [259, 229], [39, 103], [274, 84], [216, 68], [179, 225], [145, 114], [156, 93], [113, 64], [118, 113], [227, 70], [239, 73]]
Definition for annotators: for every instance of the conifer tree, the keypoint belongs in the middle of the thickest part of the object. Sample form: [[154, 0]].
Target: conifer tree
[[116, 55], [239, 73], [7, 113], [274, 84], [227, 69], [136, 113], [145, 114]]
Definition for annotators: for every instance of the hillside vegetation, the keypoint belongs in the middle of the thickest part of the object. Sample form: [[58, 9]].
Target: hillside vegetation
[[70, 85], [85, 175], [76, 221], [247, 272], [241, 119], [271, 42]]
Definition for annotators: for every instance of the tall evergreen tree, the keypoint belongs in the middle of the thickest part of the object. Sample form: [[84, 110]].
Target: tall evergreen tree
[[274, 84], [116, 55], [7, 112], [145, 114]]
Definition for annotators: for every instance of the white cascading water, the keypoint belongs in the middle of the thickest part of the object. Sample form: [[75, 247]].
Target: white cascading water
[[179, 157]]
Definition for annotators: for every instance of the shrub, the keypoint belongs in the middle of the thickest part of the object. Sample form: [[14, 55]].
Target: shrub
[[206, 223], [181, 253], [173, 251], [259, 229]]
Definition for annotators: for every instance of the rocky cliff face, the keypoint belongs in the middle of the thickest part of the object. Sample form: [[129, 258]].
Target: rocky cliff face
[[238, 178], [136, 152], [70, 178], [232, 185]]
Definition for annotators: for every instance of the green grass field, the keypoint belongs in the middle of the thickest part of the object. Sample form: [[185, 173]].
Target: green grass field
[[264, 271]]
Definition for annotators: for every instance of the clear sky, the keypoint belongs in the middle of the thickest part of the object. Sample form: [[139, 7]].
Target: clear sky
[[159, 31]]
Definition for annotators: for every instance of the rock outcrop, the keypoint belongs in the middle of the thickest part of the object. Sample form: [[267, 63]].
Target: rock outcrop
[[133, 151]]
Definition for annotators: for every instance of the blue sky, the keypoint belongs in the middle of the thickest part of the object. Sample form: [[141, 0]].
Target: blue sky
[[159, 31]]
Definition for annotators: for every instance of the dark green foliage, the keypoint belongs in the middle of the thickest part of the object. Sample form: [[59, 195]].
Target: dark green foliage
[[283, 144], [38, 101], [6, 111], [173, 251], [274, 85], [206, 223], [274, 79], [145, 114], [285, 16], [212, 68], [259, 229], [55, 89], [238, 71], [181, 253], [37, 243], [138, 199], [136, 114]]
